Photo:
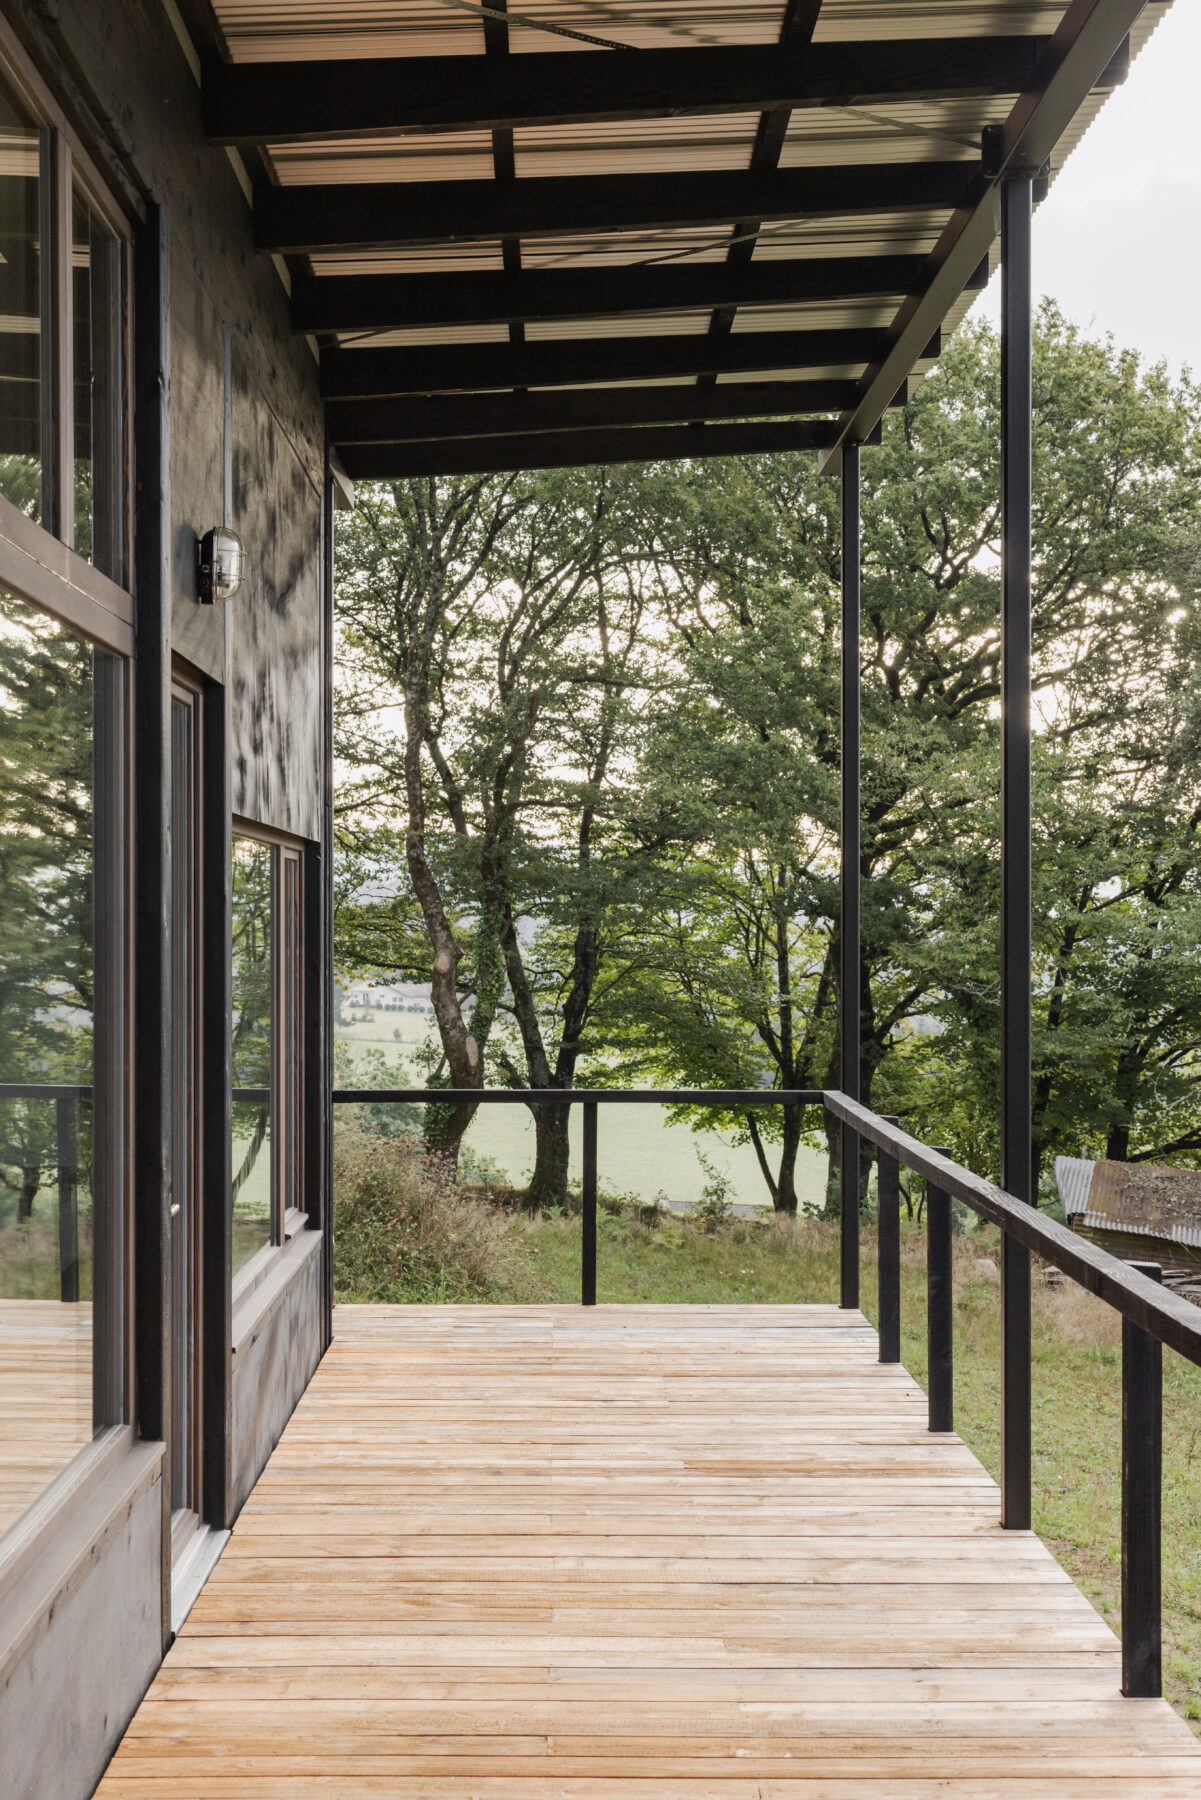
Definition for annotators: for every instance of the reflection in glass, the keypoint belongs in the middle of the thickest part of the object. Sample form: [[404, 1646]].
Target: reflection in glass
[[252, 981], [21, 303], [96, 299], [60, 1048]]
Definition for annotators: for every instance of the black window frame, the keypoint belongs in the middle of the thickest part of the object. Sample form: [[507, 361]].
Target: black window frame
[[289, 1048], [39, 566]]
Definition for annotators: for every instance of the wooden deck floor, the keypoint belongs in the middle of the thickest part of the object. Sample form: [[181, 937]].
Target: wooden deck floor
[[45, 1396], [672, 1553]]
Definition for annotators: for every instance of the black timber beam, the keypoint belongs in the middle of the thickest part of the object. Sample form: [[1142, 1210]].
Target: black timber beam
[[289, 102], [386, 302], [1090, 49], [382, 215], [421, 417], [579, 449], [566, 362]]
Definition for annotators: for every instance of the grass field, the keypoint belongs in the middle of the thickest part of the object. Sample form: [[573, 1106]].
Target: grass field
[[476, 1251], [638, 1153]]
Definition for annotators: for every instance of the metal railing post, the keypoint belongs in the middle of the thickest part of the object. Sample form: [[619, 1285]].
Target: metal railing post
[[888, 1250], [1142, 1485], [588, 1210], [939, 1307], [67, 1150], [1016, 1510]]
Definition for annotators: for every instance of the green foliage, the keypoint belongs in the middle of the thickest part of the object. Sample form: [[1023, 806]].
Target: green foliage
[[716, 1204], [675, 919], [46, 875]]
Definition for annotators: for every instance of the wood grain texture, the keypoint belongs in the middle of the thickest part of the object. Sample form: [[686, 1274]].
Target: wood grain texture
[[637, 1553], [45, 1396]]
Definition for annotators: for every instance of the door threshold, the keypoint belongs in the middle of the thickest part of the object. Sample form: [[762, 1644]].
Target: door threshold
[[193, 1570]]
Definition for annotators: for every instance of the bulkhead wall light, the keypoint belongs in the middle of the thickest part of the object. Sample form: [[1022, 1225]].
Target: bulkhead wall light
[[219, 564]]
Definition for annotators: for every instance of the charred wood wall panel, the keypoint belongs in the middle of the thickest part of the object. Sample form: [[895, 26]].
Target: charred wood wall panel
[[269, 637]]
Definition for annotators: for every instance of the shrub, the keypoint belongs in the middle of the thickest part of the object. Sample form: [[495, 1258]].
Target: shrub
[[405, 1231]]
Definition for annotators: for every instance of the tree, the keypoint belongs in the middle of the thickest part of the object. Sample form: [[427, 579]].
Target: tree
[[624, 731], [748, 555], [494, 619], [46, 871]]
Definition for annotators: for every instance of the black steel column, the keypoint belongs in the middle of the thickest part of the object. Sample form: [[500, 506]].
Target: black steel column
[[1016, 1144], [152, 587], [849, 998]]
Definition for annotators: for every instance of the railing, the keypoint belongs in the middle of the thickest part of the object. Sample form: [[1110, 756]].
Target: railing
[[67, 1100], [1151, 1316]]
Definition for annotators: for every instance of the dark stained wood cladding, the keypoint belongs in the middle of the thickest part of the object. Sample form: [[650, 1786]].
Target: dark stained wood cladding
[[275, 103], [271, 631], [336, 216]]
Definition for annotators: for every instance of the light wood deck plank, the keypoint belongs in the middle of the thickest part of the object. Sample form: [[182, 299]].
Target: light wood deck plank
[[641, 1553]]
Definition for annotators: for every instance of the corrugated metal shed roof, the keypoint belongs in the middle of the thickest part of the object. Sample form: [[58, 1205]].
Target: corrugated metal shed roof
[[939, 122], [1143, 1199]]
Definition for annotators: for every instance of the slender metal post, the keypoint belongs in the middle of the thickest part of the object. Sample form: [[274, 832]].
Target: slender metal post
[[849, 973], [1142, 1487], [588, 1210], [66, 1133], [940, 1316], [1016, 1136], [888, 1250]]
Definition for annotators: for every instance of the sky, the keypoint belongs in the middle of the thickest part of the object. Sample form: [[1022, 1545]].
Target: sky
[[1117, 242]]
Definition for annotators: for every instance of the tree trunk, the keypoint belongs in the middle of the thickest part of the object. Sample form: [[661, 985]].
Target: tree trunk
[[833, 1202], [785, 1196], [548, 1184], [31, 1180]]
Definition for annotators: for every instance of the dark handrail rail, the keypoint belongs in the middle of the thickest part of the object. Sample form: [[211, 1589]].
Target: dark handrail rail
[[44, 1090], [583, 1096], [1169, 1317]]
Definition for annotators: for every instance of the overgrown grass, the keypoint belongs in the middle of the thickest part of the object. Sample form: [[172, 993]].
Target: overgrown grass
[[404, 1235], [406, 1232]]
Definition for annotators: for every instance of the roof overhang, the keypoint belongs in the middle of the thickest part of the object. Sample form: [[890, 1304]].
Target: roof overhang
[[578, 233]]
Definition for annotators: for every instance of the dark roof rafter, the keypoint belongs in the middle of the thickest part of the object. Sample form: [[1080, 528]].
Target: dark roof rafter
[[387, 302], [1090, 49], [416, 418], [367, 215], [562, 362], [288, 102], [569, 449]]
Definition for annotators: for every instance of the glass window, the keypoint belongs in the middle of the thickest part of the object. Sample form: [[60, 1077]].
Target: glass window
[[268, 1042], [23, 302], [61, 1048], [253, 983], [99, 447]]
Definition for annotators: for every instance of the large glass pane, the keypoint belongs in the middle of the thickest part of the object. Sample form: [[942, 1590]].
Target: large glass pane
[[21, 303], [252, 984], [96, 293], [60, 1048]]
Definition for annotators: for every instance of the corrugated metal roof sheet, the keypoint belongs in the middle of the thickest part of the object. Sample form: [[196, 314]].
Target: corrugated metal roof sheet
[[886, 133], [1146, 1199]]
